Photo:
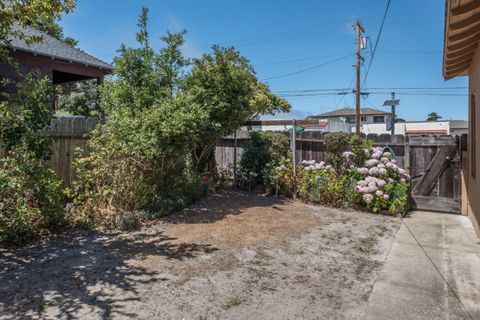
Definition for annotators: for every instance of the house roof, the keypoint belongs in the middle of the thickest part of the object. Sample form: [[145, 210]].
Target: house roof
[[458, 124], [54, 48], [350, 112], [461, 36]]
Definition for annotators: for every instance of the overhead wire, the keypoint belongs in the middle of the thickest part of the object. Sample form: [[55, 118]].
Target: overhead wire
[[376, 42], [307, 69]]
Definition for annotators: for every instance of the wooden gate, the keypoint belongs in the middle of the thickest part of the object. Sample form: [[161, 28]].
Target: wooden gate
[[435, 168]]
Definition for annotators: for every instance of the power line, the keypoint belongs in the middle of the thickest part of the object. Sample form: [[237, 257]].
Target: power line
[[294, 60], [376, 42], [375, 88], [307, 69], [373, 93]]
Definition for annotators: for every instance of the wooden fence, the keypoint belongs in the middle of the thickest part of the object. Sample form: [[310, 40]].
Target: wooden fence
[[309, 146], [434, 162], [68, 133]]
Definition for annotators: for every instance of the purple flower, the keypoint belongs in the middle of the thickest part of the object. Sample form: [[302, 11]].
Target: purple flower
[[371, 162], [386, 196], [381, 183], [377, 155], [387, 154], [362, 170], [379, 193]]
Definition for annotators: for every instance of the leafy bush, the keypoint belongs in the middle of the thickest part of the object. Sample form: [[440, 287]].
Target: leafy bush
[[164, 114], [263, 151], [383, 184], [364, 177], [31, 196], [278, 177], [31, 199]]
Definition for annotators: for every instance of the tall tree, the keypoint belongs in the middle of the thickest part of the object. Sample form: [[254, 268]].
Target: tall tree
[[433, 116]]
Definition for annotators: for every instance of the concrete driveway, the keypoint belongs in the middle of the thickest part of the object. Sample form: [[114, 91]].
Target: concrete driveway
[[432, 271]]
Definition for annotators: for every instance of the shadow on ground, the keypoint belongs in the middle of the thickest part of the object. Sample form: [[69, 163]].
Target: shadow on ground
[[215, 208], [81, 269]]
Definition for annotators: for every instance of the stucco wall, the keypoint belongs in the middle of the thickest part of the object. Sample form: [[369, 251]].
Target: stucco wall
[[474, 183]]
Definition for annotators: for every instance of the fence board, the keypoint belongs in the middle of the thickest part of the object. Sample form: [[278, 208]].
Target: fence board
[[67, 133]]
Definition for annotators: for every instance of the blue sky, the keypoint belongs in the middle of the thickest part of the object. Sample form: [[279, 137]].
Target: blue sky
[[285, 36]]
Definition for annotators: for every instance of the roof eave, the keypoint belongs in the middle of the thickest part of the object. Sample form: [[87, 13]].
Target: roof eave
[[461, 37], [108, 69]]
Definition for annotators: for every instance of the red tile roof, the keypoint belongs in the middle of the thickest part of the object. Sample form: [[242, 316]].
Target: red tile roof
[[315, 124], [432, 131]]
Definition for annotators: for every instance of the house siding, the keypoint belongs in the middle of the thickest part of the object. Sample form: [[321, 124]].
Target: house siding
[[474, 182]]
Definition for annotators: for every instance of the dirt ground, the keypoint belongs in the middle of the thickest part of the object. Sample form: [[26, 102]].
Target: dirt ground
[[230, 256]]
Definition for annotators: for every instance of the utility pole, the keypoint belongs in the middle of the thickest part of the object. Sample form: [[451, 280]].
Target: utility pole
[[359, 30], [391, 119]]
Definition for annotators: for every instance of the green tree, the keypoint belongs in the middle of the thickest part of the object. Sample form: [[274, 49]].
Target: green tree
[[433, 116], [27, 12], [224, 84], [164, 114]]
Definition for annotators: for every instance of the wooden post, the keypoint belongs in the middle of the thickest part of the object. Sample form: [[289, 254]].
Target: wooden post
[[235, 160], [294, 157], [464, 202]]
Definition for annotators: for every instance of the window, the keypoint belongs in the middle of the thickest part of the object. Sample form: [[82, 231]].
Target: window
[[379, 119], [363, 119], [473, 134], [350, 119]]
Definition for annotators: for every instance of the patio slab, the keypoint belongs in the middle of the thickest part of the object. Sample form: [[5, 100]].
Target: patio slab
[[431, 272]]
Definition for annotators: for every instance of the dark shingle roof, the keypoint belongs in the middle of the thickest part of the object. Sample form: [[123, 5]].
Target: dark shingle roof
[[350, 112], [53, 47]]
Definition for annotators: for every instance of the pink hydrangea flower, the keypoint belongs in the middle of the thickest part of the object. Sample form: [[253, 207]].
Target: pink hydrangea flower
[[362, 170]]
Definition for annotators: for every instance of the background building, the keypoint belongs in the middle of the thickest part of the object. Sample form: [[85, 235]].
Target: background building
[[368, 115]]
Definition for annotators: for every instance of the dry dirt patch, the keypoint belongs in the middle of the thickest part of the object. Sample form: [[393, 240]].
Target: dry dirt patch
[[228, 257]]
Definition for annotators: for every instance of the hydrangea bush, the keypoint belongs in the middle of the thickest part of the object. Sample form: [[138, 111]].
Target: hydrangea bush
[[383, 185], [368, 178]]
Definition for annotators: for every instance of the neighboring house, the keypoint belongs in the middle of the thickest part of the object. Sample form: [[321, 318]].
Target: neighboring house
[[53, 58], [453, 127], [367, 115], [461, 57], [458, 127], [305, 125]]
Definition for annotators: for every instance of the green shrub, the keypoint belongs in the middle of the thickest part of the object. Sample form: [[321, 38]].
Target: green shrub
[[164, 114], [263, 150], [31, 196], [31, 200], [278, 177], [362, 177]]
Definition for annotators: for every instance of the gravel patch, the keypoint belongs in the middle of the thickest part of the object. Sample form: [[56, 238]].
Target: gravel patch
[[229, 256]]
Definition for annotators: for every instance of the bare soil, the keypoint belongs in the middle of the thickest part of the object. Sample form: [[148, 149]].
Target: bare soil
[[230, 256]]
